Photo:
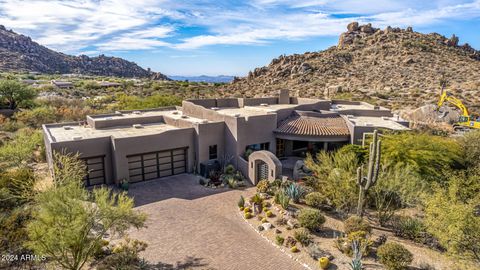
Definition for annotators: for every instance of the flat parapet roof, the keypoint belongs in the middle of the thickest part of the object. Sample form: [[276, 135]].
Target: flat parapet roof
[[254, 110], [63, 133], [380, 122]]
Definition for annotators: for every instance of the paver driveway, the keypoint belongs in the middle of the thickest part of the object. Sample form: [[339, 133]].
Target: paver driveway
[[192, 227]]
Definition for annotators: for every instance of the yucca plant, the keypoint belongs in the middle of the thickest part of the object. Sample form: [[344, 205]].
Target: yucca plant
[[282, 199], [295, 192], [356, 263]]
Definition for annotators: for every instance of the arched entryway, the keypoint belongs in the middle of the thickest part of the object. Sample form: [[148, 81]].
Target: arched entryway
[[263, 165]]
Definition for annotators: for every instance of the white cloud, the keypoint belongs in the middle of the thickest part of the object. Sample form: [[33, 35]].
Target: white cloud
[[112, 25]]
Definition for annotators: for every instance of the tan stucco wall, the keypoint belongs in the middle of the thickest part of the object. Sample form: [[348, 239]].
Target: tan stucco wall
[[178, 138], [89, 148], [273, 163]]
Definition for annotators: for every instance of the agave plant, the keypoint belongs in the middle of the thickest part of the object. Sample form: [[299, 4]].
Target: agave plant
[[356, 263], [295, 192]]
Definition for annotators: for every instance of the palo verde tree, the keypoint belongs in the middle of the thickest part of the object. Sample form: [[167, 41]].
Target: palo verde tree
[[15, 94], [365, 182], [70, 224]]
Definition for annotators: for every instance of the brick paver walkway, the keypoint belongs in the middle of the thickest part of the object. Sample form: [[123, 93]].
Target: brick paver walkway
[[192, 227]]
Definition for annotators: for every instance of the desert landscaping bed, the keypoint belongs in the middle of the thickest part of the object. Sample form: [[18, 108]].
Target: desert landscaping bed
[[267, 222]]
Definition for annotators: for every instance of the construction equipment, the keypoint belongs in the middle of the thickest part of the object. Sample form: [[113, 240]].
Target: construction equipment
[[466, 121]]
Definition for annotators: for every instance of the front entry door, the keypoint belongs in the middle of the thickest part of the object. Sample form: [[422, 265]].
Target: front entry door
[[262, 171]]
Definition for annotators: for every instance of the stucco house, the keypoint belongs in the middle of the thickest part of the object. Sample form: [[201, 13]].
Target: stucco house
[[258, 135]]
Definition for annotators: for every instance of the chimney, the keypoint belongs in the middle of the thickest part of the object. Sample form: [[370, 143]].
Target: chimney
[[284, 96]]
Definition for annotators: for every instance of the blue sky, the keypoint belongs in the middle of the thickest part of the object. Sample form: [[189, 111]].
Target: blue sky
[[230, 37]]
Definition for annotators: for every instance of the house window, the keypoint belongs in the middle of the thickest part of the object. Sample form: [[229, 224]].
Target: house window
[[258, 146], [212, 152], [280, 148]]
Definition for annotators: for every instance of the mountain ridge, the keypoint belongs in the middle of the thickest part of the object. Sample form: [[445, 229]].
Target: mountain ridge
[[393, 67], [20, 53]]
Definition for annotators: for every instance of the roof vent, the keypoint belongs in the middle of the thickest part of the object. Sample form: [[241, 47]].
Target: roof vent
[[137, 126], [137, 112], [264, 104], [67, 127], [368, 124], [175, 112], [108, 118], [376, 108], [350, 116], [204, 122], [215, 108], [237, 115], [385, 118], [77, 138], [184, 116]]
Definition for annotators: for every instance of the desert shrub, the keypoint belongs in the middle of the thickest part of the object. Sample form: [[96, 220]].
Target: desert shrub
[[359, 238], [123, 256], [269, 213], [246, 209], [470, 144], [10, 125], [303, 237], [248, 215], [452, 217], [311, 219], [315, 199], [398, 186], [136, 103], [262, 186], [241, 201], [409, 228], [332, 175], [232, 182], [394, 256], [295, 192], [229, 169], [22, 148], [264, 220], [294, 249], [279, 240], [36, 117], [427, 155], [256, 199], [266, 204], [282, 199], [356, 223]]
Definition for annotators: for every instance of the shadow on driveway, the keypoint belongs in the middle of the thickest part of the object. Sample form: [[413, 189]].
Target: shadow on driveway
[[182, 186], [188, 263]]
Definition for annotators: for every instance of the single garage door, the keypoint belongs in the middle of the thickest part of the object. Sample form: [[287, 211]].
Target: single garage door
[[95, 170], [153, 165]]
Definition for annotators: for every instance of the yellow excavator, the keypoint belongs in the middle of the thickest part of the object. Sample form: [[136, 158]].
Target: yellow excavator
[[466, 121]]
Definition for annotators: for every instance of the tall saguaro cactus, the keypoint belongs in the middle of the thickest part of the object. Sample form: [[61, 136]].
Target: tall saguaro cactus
[[366, 182]]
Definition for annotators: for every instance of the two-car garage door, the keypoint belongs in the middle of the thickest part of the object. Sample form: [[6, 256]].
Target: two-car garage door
[[153, 165]]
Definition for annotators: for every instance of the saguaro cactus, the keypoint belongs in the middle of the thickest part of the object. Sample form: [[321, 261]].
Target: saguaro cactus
[[366, 182]]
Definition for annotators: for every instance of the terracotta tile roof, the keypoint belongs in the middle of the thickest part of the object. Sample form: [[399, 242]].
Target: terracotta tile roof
[[314, 124]]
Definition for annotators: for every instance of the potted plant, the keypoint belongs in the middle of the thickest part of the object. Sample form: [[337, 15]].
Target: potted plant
[[124, 184]]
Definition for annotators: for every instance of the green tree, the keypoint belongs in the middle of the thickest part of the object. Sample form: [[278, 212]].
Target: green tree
[[452, 217], [425, 154], [15, 94], [334, 177], [69, 223]]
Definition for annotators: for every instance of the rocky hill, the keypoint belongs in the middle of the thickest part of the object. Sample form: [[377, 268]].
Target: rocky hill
[[20, 53], [398, 68]]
